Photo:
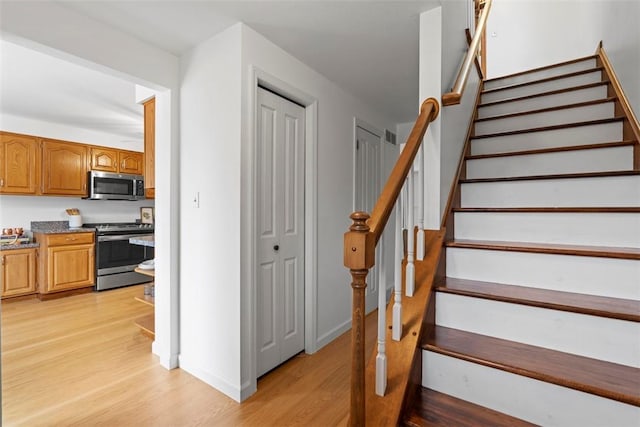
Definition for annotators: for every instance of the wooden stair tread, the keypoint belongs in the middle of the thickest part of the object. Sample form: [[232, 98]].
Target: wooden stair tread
[[606, 379], [554, 150], [548, 109], [543, 80], [551, 128], [435, 409], [548, 248], [546, 67], [542, 94], [553, 176], [147, 325], [570, 209], [615, 308]]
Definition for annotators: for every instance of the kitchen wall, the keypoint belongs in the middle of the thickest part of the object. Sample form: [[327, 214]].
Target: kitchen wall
[[19, 211], [53, 29]]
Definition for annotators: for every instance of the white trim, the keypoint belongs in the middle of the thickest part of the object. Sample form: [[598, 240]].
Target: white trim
[[214, 381], [262, 78], [334, 333]]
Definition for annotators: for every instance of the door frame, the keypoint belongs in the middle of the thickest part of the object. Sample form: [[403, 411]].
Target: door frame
[[249, 249], [380, 133]]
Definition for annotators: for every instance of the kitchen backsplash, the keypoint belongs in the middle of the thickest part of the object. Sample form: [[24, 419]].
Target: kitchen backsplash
[[19, 211]]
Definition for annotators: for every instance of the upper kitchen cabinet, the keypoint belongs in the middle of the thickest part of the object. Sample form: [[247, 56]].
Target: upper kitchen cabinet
[[64, 168], [18, 164], [114, 160], [150, 148]]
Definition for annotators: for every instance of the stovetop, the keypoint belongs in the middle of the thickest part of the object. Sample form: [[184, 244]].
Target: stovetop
[[130, 227]]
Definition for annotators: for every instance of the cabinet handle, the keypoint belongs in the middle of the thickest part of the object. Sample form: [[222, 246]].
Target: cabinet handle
[[1, 182], [71, 239], [122, 165], [3, 259]]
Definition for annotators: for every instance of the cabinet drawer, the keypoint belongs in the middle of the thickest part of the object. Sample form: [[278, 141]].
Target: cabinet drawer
[[69, 239]]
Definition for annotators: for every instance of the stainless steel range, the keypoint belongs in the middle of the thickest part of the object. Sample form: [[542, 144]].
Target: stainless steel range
[[116, 258]]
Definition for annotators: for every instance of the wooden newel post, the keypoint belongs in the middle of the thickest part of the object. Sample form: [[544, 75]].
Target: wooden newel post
[[359, 257]]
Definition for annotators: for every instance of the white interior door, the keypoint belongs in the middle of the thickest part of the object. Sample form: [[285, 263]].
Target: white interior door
[[368, 187], [280, 225]]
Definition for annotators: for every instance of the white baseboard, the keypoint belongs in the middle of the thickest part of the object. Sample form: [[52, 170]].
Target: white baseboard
[[332, 334], [219, 384]]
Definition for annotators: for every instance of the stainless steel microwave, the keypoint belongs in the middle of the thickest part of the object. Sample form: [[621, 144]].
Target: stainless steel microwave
[[114, 186]]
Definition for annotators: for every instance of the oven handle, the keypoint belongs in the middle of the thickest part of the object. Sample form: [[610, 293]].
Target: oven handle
[[120, 237]]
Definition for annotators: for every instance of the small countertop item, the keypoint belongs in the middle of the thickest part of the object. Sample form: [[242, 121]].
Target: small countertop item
[[53, 227], [143, 241]]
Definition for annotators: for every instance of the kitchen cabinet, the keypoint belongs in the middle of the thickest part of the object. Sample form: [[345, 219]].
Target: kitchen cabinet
[[19, 165], [66, 261], [150, 148], [119, 161], [64, 168], [18, 272]]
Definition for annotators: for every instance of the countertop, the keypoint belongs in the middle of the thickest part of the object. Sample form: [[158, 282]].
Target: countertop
[[55, 227], [143, 241], [20, 246]]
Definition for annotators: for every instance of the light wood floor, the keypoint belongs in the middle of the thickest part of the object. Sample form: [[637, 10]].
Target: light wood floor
[[81, 361]]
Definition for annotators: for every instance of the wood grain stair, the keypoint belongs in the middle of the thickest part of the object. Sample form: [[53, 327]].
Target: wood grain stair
[[553, 127], [605, 379], [615, 308], [554, 176], [543, 80], [558, 249], [436, 409], [546, 110], [543, 94], [545, 67]]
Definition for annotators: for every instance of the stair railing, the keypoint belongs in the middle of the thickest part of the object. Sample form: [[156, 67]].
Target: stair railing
[[360, 247], [454, 97]]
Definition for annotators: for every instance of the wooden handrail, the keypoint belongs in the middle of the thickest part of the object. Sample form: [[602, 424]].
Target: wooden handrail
[[359, 251], [454, 97]]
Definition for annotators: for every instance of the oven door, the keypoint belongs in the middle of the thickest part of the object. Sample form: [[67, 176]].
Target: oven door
[[114, 254]]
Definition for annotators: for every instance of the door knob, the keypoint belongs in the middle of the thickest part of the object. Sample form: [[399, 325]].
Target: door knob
[[276, 247]]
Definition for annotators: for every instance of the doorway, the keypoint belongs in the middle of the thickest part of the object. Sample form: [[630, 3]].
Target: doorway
[[280, 229]]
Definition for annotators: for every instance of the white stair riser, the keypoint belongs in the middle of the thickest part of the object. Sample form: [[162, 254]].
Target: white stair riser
[[578, 135], [541, 74], [549, 118], [609, 277], [613, 340], [622, 191], [562, 162], [595, 229], [529, 104], [532, 400], [532, 89]]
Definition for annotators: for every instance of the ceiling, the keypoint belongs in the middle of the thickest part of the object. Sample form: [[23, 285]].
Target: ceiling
[[369, 48]]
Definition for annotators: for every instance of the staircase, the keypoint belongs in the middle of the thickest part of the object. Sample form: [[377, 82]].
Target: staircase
[[537, 319]]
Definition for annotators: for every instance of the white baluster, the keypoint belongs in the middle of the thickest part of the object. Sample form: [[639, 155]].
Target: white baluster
[[396, 330], [420, 235], [381, 358], [410, 273]]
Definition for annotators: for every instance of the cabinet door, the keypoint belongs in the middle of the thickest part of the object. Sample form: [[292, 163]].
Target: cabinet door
[[104, 159], [131, 162], [18, 272], [64, 168], [18, 164], [70, 267], [150, 147]]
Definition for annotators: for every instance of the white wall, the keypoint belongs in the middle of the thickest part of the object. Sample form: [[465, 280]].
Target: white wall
[[30, 126], [53, 29], [217, 331], [536, 33], [210, 164]]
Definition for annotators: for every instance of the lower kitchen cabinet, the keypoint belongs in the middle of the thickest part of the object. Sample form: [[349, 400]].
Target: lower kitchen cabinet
[[66, 262], [18, 272]]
